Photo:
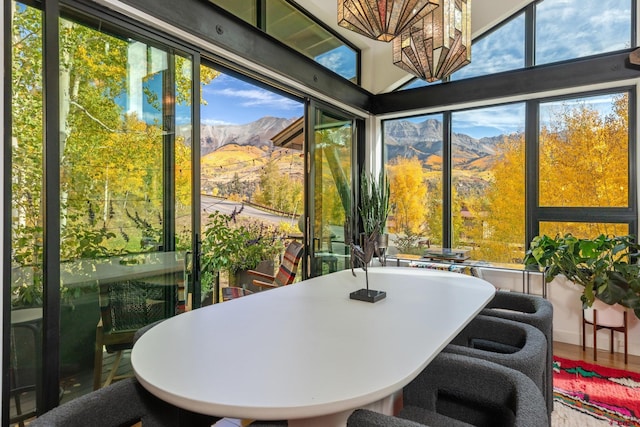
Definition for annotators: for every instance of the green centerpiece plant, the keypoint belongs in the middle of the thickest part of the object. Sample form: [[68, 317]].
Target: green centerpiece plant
[[606, 266], [374, 210], [374, 202]]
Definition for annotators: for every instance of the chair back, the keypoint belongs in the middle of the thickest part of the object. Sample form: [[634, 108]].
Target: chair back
[[124, 403], [290, 260], [533, 310], [130, 305]]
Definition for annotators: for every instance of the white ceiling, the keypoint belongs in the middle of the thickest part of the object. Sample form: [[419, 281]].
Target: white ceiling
[[378, 72]]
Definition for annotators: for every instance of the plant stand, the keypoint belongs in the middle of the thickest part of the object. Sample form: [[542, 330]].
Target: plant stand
[[358, 255]]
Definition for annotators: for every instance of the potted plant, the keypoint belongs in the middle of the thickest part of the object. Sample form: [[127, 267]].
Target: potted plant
[[374, 209], [606, 267], [231, 246]]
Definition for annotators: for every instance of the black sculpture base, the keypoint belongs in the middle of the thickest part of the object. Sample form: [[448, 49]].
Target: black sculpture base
[[368, 295]]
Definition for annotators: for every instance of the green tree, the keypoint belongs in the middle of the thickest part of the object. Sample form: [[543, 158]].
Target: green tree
[[278, 190], [111, 164]]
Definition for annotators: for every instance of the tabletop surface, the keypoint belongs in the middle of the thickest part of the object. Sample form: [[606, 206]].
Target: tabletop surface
[[307, 350]]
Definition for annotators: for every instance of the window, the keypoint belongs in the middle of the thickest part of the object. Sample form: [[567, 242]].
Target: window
[[583, 185], [564, 30], [583, 230], [252, 162], [291, 25], [487, 192], [414, 163], [500, 50], [27, 222], [584, 152], [571, 29]]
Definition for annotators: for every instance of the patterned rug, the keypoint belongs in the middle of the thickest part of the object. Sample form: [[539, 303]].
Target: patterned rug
[[597, 392]]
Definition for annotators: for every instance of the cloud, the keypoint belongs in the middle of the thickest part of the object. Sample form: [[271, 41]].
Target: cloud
[[215, 122], [341, 60], [603, 104], [333, 61], [501, 50], [567, 30], [491, 121], [246, 95]]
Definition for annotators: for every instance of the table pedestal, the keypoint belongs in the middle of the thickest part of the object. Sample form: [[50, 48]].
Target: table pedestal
[[387, 406]]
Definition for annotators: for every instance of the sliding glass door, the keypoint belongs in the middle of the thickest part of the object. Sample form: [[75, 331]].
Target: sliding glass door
[[124, 203], [330, 203], [125, 195]]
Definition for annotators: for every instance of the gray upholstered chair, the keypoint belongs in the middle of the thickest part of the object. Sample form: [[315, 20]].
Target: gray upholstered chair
[[122, 403], [456, 390], [535, 311], [512, 344]]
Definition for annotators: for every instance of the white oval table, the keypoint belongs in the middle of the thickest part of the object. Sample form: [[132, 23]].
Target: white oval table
[[306, 352]]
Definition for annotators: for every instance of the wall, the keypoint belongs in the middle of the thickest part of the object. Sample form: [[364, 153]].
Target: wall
[[567, 314], [567, 310]]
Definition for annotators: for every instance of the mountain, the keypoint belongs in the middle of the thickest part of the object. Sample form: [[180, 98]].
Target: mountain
[[403, 138], [256, 134], [424, 140]]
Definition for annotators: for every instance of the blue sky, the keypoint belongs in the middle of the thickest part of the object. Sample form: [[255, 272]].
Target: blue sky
[[342, 60], [233, 101]]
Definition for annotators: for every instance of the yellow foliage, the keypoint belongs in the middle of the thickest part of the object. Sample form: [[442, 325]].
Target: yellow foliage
[[408, 195]]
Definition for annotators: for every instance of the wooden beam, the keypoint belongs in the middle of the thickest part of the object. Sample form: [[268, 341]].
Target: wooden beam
[[634, 57]]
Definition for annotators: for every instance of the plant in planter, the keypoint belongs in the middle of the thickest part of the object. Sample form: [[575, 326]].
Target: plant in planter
[[374, 210], [231, 246], [606, 267]]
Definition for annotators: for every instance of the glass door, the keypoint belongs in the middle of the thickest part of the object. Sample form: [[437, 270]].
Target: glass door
[[125, 205], [125, 197], [330, 196]]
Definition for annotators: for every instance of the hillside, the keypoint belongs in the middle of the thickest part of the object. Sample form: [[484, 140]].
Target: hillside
[[255, 134], [244, 163]]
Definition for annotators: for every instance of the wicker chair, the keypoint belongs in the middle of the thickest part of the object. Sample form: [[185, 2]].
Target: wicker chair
[[126, 307]]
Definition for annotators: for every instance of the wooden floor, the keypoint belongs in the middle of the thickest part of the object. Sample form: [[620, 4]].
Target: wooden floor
[[615, 360]]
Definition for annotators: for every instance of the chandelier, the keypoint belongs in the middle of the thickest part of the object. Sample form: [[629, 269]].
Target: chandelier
[[438, 44], [382, 19]]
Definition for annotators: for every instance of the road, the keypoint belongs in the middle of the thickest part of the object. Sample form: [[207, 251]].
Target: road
[[209, 204]]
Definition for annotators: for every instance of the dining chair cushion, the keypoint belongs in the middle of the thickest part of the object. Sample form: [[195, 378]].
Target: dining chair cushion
[[512, 344], [463, 389], [367, 418]]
